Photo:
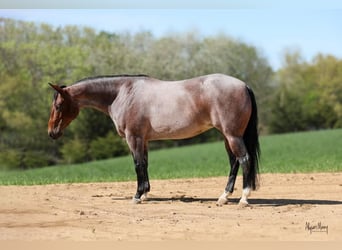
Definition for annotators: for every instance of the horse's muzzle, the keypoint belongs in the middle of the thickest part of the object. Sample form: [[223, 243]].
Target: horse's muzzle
[[54, 135]]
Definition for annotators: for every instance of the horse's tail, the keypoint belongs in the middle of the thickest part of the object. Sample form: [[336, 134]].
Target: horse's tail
[[251, 140]]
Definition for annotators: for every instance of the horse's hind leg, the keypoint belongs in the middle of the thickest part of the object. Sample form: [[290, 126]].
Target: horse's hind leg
[[238, 148], [234, 168]]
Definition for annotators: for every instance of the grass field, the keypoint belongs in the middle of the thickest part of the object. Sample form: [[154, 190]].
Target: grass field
[[288, 153]]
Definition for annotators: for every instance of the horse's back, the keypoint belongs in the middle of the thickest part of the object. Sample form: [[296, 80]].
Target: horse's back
[[209, 86], [215, 79], [223, 81]]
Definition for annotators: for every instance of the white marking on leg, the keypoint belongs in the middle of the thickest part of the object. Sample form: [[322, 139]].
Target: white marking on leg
[[223, 199], [244, 198], [144, 197], [136, 201]]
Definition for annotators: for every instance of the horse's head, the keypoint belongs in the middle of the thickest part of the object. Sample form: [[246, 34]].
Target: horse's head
[[63, 110]]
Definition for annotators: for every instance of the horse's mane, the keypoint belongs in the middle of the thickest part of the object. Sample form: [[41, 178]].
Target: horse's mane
[[109, 76], [100, 77]]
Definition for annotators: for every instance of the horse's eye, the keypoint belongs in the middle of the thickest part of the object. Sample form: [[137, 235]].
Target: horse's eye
[[58, 107]]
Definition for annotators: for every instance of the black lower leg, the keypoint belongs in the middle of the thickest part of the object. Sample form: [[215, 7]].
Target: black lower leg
[[234, 168], [232, 177], [244, 162], [140, 179], [146, 179], [146, 182]]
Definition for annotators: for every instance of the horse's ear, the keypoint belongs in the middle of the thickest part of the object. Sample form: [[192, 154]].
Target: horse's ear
[[59, 89]]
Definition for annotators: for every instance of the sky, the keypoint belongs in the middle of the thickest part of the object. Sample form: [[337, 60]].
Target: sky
[[310, 27]]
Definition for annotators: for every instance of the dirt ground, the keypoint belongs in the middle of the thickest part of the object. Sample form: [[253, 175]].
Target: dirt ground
[[294, 207]]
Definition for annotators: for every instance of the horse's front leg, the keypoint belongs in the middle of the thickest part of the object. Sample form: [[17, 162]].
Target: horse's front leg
[[139, 152], [146, 178]]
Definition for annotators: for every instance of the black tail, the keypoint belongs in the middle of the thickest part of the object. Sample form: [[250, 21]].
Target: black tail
[[251, 140]]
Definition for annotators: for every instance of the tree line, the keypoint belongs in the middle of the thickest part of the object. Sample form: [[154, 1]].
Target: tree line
[[300, 96]]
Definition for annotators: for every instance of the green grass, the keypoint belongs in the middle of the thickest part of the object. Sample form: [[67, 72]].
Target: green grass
[[288, 153], [302, 152]]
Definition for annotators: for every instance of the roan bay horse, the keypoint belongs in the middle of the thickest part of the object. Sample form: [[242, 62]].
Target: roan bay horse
[[145, 109]]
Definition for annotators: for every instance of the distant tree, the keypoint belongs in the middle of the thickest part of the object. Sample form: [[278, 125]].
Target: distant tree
[[308, 95]]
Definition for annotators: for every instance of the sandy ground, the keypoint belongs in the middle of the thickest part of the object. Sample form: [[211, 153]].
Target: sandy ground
[[295, 207]]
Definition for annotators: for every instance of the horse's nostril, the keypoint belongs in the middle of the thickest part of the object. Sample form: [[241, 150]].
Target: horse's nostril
[[52, 135]]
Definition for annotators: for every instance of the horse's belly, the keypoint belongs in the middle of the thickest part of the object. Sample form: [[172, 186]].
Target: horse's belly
[[177, 128]]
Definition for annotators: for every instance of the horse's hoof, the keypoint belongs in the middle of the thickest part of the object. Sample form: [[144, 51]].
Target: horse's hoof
[[144, 197], [243, 204], [221, 201], [136, 201]]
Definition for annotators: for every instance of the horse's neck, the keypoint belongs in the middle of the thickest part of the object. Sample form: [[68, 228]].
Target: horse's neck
[[97, 96]]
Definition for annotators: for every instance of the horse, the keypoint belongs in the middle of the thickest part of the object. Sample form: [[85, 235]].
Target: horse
[[145, 109]]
